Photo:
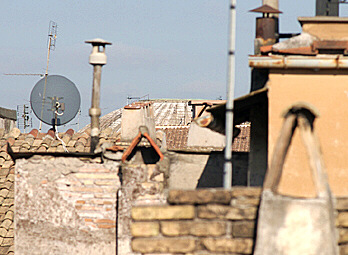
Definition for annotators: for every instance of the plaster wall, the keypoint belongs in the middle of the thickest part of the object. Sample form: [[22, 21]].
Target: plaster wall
[[327, 31], [189, 171], [328, 92], [200, 136]]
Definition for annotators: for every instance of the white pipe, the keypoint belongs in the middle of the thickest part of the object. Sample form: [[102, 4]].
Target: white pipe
[[291, 62], [227, 179]]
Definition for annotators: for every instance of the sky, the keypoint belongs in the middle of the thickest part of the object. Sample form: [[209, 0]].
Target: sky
[[164, 49]]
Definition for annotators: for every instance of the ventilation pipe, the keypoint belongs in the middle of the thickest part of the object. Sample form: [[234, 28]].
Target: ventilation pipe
[[97, 58]]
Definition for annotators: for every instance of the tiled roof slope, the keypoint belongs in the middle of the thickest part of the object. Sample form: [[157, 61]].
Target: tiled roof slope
[[173, 117], [176, 137], [167, 112], [6, 197], [242, 142]]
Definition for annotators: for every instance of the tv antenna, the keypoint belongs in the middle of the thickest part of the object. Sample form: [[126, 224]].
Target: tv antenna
[[52, 36], [23, 117]]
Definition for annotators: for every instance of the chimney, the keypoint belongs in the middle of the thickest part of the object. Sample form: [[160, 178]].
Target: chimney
[[97, 58], [267, 26], [135, 115], [327, 8]]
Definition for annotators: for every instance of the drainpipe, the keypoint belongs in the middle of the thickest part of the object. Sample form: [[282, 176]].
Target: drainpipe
[[97, 58], [227, 179]]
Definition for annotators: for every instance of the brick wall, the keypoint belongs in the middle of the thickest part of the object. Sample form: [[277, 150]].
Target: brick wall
[[65, 206], [208, 221]]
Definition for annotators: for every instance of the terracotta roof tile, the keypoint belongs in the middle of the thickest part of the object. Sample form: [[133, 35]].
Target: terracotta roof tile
[[6, 210], [242, 142], [176, 138], [307, 51]]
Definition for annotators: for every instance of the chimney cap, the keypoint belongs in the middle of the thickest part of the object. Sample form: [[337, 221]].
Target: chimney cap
[[266, 9], [98, 41]]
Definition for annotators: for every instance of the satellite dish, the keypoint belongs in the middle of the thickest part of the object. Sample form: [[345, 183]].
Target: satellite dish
[[55, 100]]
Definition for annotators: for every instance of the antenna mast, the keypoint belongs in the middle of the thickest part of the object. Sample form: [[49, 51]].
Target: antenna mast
[[52, 36]]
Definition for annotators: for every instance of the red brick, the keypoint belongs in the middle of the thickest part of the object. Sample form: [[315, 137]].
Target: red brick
[[105, 221], [87, 208], [106, 226]]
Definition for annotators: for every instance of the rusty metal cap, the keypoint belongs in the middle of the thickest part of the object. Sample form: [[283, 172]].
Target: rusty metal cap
[[266, 9]]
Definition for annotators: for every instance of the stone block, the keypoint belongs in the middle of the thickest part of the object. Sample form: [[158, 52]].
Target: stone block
[[145, 229], [226, 212], [343, 235], [342, 219], [245, 202], [342, 204], [242, 246], [246, 192], [201, 196], [197, 228], [163, 245], [163, 212], [243, 229], [343, 249]]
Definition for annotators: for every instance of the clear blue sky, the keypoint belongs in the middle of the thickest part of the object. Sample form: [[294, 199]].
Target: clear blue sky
[[167, 49]]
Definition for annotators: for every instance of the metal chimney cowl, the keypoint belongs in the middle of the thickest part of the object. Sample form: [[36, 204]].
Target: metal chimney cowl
[[98, 56]]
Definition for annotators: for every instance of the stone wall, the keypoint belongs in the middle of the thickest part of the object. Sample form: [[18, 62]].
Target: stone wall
[[198, 222], [208, 221], [65, 206], [141, 185]]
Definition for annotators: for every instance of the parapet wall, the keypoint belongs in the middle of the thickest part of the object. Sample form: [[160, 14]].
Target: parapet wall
[[208, 221]]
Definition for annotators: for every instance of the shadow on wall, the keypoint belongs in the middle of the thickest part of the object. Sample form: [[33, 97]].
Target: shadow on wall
[[212, 175]]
